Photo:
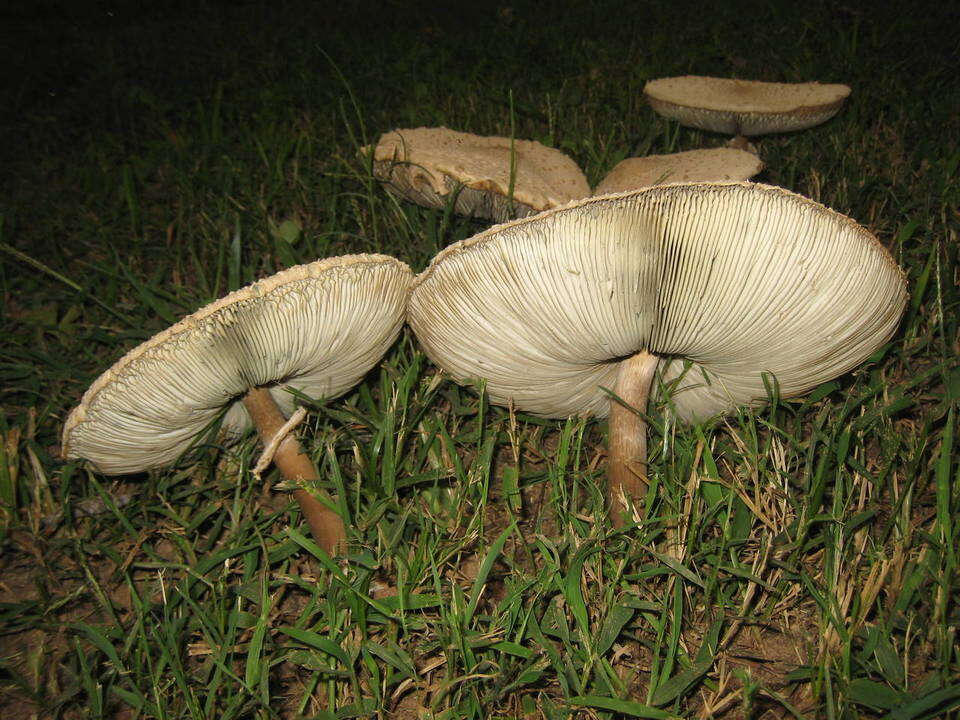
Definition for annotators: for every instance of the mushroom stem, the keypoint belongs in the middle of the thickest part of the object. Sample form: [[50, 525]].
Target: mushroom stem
[[627, 466], [326, 526]]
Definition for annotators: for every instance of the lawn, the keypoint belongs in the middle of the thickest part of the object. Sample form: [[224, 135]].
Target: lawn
[[793, 561]]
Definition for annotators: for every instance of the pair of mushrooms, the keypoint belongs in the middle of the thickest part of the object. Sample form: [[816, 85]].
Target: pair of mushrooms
[[706, 287], [499, 179]]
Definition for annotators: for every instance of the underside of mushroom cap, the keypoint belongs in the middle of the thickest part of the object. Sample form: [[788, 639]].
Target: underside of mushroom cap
[[316, 328], [744, 107], [427, 165], [708, 165], [725, 282]]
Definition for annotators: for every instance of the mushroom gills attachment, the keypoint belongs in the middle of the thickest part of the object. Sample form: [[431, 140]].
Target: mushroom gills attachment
[[627, 466], [326, 526]]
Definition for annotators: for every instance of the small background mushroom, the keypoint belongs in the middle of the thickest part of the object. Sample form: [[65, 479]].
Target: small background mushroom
[[711, 165], [494, 178], [744, 108]]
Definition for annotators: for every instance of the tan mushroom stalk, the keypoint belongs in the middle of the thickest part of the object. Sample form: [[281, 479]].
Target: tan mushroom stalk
[[316, 328], [326, 526], [494, 178], [627, 444], [744, 107], [708, 287], [712, 165]]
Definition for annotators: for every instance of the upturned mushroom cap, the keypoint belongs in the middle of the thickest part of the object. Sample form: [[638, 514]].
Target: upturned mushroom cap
[[725, 282], [426, 165], [714, 165], [318, 328], [744, 107]]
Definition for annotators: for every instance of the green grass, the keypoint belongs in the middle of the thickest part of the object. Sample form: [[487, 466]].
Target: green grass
[[796, 561]]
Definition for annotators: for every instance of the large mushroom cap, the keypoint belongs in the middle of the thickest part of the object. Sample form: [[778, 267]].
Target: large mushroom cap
[[713, 165], [426, 165], [317, 328], [724, 282], [744, 107]]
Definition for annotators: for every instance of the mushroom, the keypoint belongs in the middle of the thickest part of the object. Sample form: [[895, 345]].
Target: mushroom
[[708, 286], [495, 178], [744, 107], [713, 165], [316, 328]]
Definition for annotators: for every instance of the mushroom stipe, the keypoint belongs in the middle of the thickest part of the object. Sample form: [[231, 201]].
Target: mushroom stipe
[[326, 526], [627, 444]]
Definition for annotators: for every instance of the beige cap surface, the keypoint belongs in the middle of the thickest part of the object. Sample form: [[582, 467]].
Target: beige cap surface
[[744, 107], [713, 165], [317, 328], [725, 282], [426, 165]]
